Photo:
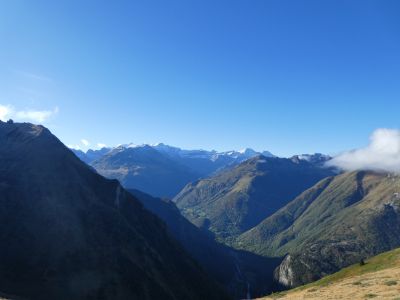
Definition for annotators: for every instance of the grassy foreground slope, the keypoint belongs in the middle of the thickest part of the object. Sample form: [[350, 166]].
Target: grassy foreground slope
[[379, 278]]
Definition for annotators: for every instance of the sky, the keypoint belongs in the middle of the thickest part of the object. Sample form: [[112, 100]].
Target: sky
[[285, 76]]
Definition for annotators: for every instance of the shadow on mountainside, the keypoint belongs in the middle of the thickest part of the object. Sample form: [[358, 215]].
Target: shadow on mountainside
[[237, 270]]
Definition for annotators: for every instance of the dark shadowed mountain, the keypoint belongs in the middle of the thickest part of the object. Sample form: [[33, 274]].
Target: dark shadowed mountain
[[199, 244], [236, 270], [337, 222], [69, 233], [237, 199]]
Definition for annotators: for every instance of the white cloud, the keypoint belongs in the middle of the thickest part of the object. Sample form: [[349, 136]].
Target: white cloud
[[101, 145], [29, 115], [38, 116], [85, 142], [382, 154], [5, 112]]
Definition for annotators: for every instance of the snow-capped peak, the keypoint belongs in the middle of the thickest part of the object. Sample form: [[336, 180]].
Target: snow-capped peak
[[248, 151]]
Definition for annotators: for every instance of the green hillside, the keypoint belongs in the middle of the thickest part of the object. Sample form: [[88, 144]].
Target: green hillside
[[239, 198], [330, 226]]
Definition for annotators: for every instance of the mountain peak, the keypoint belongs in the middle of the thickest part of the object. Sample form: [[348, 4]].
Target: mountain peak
[[247, 151], [24, 128]]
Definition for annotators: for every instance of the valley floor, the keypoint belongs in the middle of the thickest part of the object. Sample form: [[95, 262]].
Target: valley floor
[[379, 279]]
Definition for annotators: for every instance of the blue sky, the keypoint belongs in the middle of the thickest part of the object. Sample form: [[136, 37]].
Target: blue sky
[[284, 76]]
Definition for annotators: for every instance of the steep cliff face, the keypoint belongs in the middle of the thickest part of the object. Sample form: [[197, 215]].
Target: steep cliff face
[[284, 273]]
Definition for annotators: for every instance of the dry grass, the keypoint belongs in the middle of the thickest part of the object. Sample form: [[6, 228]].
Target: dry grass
[[378, 279]]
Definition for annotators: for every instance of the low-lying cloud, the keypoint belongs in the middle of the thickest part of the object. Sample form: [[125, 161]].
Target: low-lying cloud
[[29, 115], [382, 154]]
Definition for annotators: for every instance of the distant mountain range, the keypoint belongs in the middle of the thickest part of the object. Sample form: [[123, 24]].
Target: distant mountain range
[[160, 170], [237, 199], [213, 158], [69, 233], [90, 155], [146, 169]]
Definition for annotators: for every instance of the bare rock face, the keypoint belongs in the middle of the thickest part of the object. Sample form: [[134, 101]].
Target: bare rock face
[[284, 273], [318, 260]]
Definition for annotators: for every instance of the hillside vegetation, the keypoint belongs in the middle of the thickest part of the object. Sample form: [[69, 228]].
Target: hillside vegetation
[[336, 223], [238, 199]]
